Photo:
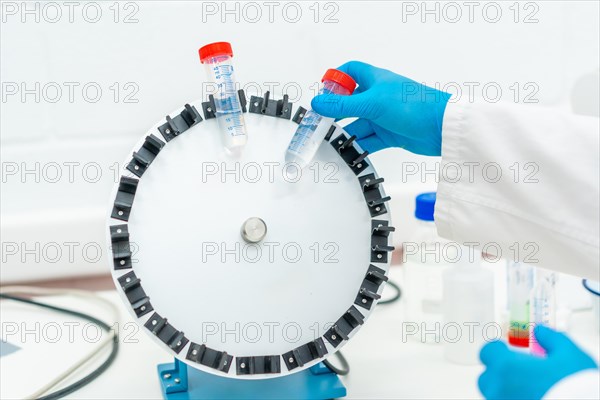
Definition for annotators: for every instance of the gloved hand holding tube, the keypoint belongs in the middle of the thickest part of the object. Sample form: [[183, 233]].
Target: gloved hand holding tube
[[516, 375], [392, 111]]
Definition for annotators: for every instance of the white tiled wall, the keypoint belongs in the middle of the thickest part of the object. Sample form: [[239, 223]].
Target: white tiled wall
[[157, 57]]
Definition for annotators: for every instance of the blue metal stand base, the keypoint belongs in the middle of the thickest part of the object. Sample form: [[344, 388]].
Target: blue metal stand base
[[180, 383]]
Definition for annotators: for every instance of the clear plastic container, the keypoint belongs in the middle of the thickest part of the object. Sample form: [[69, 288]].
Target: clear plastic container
[[543, 305], [313, 127], [217, 59], [519, 286], [468, 303], [423, 266]]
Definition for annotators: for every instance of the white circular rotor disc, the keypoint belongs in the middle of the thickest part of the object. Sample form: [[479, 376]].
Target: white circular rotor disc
[[247, 299]]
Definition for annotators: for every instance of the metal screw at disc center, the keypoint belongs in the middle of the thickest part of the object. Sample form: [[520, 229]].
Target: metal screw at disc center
[[254, 230]]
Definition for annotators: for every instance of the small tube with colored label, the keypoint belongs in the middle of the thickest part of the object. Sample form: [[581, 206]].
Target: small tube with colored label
[[520, 284], [228, 110], [313, 127]]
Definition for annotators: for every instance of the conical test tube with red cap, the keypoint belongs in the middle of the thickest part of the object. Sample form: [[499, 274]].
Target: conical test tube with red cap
[[228, 110], [313, 127]]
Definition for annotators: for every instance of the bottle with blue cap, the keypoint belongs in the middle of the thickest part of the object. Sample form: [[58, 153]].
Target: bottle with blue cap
[[424, 263]]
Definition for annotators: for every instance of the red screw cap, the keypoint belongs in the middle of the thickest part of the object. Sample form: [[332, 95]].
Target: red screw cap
[[340, 78], [215, 49]]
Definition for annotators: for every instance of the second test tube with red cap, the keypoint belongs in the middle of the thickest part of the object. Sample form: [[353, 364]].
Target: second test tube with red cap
[[313, 127]]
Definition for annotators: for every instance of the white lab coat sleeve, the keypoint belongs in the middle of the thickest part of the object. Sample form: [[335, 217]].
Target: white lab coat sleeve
[[522, 180], [582, 385]]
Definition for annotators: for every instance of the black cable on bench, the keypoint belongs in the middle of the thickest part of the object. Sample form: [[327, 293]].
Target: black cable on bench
[[395, 297], [344, 370], [92, 375]]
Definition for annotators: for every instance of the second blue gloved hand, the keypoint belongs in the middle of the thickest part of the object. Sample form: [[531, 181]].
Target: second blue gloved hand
[[393, 111], [515, 375]]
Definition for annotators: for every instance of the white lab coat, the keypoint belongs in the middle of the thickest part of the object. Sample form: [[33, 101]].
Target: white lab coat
[[549, 211]]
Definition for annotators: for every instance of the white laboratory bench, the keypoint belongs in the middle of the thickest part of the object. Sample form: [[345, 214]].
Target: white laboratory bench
[[382, 365]]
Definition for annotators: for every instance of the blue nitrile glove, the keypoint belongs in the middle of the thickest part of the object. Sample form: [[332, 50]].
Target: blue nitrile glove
[[514, 375], [393, 111]]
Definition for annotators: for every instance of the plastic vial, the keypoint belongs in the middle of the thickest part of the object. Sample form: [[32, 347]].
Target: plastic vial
[[543, 305], [519, 285], [468, 304], [423, 267], [228, 110], [313, 127]]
